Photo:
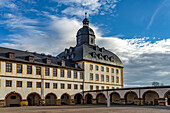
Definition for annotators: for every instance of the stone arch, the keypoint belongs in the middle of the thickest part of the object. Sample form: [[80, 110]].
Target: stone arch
[[115, 98], [167, 98], [131, 97], [13, 99], [78, 98], [50, 99], [88, 98], [101, 98], [34, 99], [65, 99], [150, 98]]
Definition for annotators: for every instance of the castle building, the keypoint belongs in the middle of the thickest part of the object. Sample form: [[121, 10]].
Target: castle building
[[30, 78]]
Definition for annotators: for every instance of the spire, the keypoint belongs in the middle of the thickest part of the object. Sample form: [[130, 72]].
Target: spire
[[85, 21]]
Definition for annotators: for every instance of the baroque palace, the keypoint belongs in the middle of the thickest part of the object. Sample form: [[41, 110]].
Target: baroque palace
[[84, 74]]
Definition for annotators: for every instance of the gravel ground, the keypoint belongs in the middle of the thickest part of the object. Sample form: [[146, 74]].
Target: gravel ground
[[87, 109]]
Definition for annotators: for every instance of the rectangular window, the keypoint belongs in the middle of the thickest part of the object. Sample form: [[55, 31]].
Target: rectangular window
[[68, 74], [62, 73], [19, 68], [97, 77], [102, 68], [54, 85], [29, 84], [47, 85], [102, 87], [62, 86], [19, 83], [97, 68], [81, 87], [107, 69], [117, 79], [91, 67], [68, 86], [117, 71], [38, 84], [75, 86], [97, 87], [81, 75], [102, 78], [112, 70], [112, 78], [47, 71], [8, 83], [91, 87], [75, 74], [29, 69], [8, 67], [91, 76], [55, 72], [38, 70], [107, 78]]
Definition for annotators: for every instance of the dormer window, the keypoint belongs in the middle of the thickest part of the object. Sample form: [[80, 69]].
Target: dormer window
[[11, 55], [106, 57], [30, 58], [100, 56], [93, 54], [68, 57], [72, 56], [92, 41], [66, 51], [47, 61], [112, 59]]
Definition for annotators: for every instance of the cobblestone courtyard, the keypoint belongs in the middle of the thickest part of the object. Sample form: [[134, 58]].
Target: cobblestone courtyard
[[86, 109]]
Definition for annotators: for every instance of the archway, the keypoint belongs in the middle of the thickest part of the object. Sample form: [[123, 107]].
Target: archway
[[167, 98], [131, 97], [50, 99], [88, 99], [101, 99], [114, 98], [13, 99], [150, 98], [65, 99], [33, 99], [78, 98]]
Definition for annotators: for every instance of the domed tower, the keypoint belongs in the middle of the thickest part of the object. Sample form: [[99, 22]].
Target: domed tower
[[85, 35]]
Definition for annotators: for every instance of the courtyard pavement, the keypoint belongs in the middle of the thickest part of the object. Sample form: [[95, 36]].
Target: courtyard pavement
[[87, 109]]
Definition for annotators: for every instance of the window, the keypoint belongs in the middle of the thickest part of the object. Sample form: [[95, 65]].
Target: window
[[102, 87], [38, 84], [112, 70], [19, 83], [113, 87], [68, 74], [117, 71], [91, 87], [68, 86], [8, 83], [13, 97], [54, 85], [38, 70], [47, 71], [75, 74], [91, 40], [19, 68], [81, 87], [47, 85], [117, 79], [75, 86], [91, 76], [29, 69], [55, 72], [29, 84], [81, 75], [102, 78], [102, 68], [91, 67], [97, 77], [62, 86], [62, 73], [112, 78], [8, 67], [97, 87], [107, 78], [97, 68], [107, 87], [107, 69]]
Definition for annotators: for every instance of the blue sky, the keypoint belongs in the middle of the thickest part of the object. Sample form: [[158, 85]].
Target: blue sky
[[136, 30]]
